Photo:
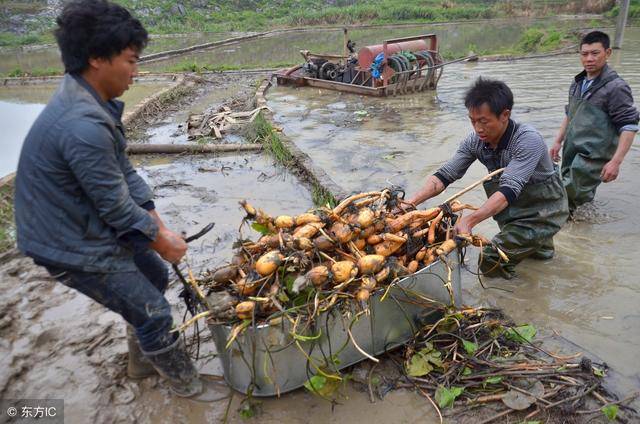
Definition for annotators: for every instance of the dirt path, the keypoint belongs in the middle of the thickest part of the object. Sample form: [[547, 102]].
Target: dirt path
[[56, 343]]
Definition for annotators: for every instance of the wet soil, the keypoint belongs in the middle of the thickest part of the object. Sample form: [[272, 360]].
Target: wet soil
[[211, 91]]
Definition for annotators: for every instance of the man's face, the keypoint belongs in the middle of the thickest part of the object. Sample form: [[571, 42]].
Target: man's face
[[594, 57], [487, 125], [117, 73]]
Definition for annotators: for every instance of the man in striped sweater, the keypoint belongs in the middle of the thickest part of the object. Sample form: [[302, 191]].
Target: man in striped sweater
[[527, 200]]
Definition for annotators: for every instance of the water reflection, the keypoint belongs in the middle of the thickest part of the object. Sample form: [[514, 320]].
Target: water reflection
[[20, 106], [44, 57], [15, 121]]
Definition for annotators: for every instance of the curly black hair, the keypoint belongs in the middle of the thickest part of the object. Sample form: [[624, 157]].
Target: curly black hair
[[96, 29], [494, 93]]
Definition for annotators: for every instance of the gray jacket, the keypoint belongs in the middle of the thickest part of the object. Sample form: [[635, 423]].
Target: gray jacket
[[610, 93], [76, 193]]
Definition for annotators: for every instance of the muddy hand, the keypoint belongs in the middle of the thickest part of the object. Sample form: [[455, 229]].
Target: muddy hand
[[462, 227], [610, 171], [169, 245], [554, 152]]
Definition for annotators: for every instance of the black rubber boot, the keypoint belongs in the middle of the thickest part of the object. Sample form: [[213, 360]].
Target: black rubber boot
[[138, 366], [174, 364]]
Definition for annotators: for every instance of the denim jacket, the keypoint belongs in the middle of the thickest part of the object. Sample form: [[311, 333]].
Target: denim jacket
[[76, 193]]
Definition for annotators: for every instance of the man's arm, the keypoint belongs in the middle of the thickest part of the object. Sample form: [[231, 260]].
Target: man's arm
[[138, 188], [554, 151], [451, 171], [92, 159], [90, 153], [494, 205], [612, 168], [431, 188], [624, 117]]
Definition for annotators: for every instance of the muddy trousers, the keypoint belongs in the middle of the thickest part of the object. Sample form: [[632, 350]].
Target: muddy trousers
[[138, 296], [527, 226]]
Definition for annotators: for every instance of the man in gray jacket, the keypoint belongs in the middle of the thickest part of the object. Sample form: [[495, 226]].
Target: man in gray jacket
[[81, 209], [599, 125]]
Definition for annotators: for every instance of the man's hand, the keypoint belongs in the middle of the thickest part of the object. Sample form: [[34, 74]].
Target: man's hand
[[463, 225], [610, 171], [554, 151], [169, 245]]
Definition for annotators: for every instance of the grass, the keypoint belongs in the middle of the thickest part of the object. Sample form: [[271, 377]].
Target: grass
[[541, 40], [322, 197], [8, 39], [533, 40], [36, 72], [270, 139], [7, 225], [634, 11], [163, 17], [194, 66]]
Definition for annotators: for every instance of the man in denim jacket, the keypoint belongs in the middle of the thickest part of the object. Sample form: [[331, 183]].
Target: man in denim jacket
[[81, 209]]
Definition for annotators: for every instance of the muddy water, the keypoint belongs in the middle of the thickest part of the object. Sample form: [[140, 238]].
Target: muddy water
[[21, 105], [456, 39], [172, 129], [590, 292]]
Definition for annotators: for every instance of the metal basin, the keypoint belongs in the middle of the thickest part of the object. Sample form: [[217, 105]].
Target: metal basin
[[267, 360]]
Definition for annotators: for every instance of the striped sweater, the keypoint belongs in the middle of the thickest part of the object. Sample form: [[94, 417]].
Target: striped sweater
[[521, 151]]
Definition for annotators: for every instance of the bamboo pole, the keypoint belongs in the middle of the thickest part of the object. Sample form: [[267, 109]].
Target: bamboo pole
[[137, 149], [474, 185], [621, 23]]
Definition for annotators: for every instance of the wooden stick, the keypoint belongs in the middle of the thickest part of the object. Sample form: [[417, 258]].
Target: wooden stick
[[474, 185], [137, 149]]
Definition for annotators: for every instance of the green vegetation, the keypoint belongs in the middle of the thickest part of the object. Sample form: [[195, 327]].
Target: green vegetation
[[7, 226], [193, 66], [271, 141], [540, 40], [322, 197], [8, 39], [533, 40], [164, 16], [169, 16], [263, 132], [634, 11], [35, 72]]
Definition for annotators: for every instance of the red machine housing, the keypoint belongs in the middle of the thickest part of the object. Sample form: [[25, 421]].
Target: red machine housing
[[367, 54]]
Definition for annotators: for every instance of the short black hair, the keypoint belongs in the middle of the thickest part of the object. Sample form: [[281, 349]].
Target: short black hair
[[494, 93], [96, 29], [596, 37]]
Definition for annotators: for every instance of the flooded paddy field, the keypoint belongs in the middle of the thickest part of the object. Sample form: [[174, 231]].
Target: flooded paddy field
[[20, 105], [455, 40], [56, 343], [230, 90], [48, 56], [589, 293]]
